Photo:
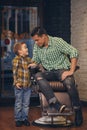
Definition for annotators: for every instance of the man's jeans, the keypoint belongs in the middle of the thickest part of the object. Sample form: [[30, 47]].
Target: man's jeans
[[42, 79], [22, 101]]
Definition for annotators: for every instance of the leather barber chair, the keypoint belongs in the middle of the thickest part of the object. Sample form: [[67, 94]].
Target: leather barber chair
[[55, 119]]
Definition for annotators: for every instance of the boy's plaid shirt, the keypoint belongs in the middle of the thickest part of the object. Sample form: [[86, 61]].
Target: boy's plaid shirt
[[21, 72]]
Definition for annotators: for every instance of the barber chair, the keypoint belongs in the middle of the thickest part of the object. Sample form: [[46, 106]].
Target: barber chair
[[55, 119]]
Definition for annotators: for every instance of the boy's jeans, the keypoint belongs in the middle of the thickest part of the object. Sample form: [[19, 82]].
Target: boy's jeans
[[22, 101]]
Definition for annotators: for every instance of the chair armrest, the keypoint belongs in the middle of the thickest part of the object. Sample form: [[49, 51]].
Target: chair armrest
[[77, 68]]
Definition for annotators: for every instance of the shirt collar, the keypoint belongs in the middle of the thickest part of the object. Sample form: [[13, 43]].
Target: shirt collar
[[49, 42], [21, 57]]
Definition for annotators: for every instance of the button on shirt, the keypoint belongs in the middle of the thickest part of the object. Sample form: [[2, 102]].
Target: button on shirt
[[55, 55]]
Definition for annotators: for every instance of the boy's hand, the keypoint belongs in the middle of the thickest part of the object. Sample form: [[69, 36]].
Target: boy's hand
[[32, 65], [18, 85]]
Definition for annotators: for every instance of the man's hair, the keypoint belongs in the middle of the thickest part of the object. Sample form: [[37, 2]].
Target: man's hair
[[38, 31], [17, 47]]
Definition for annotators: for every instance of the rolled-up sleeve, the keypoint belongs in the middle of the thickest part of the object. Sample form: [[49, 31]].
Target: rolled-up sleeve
[[68, 49]]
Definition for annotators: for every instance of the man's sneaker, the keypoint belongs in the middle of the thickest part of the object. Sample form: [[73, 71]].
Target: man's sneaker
[[62, 108], [26, 123], [18, 123], [52, 110], [78, 117]]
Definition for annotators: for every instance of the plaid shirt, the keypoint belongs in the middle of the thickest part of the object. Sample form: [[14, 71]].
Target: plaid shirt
[[55, 55], [21, 72]]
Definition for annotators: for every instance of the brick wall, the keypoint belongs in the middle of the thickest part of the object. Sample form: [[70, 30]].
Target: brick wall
[[79, 40]]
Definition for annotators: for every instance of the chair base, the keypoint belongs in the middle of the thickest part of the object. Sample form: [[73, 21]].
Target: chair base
[[57, 121]]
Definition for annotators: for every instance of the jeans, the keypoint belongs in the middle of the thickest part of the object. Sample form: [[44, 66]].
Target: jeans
[[42, 79], [22, 101]]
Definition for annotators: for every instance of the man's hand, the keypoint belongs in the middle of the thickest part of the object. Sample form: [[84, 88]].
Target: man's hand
[[66, 74], [72, 69]]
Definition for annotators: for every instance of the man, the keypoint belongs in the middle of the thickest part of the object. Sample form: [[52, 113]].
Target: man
[[51, 53]]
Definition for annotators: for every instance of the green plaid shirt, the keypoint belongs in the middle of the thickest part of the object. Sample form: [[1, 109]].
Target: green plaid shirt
[[21, 72], [55, 56]]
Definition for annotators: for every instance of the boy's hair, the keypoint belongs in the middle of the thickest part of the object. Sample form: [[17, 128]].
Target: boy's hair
[[17, 47], [38, 31]]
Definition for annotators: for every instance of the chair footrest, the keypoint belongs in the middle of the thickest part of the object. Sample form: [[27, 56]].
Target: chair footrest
[[60, 114]]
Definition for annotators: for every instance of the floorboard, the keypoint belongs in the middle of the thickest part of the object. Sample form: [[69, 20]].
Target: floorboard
[[7, 120]]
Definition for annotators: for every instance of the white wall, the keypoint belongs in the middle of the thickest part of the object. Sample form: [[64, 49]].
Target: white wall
[[79, 40]]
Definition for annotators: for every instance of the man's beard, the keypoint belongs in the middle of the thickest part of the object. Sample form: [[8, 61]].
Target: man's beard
[[42, 46]]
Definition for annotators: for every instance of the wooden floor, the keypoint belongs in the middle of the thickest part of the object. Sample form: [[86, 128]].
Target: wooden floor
[[7, 120]]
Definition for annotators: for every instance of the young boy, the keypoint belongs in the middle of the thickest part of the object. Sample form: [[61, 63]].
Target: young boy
[[22, 89]]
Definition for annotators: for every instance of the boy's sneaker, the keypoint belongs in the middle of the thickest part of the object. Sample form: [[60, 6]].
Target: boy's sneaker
[[26, 122], [18, 123]]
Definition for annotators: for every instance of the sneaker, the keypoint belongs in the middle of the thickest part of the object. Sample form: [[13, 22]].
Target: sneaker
[[78, 118], [26, 122], [62, 108], [18, 123], [52, 110]]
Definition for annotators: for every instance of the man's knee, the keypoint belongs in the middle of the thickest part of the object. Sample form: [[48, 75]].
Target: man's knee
[[69, 81]]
